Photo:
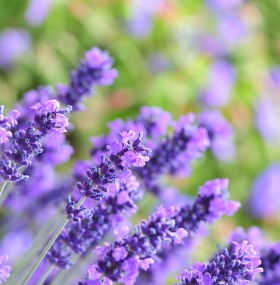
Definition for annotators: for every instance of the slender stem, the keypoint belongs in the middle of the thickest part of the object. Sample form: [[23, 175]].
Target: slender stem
[[49, 245], [2, 190], [22, 266], [45, 275]]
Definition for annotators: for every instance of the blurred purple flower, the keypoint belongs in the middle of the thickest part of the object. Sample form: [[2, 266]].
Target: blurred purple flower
[[264, 198], [267, 117], [220, 134], [231, 31], [37, 11], [14, 43], [224, 5], [275, 76], [221, 81], [158, 63], [142, 14], [4, 269]]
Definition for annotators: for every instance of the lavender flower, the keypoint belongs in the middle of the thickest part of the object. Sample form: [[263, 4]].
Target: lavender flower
[[263, 199], [174, 154], [94, 69], [6, 124], [270, 258], [115, 165], [4, 269], [151, 121], [121, 260], [91, 227], [14, 43], [253, 235], [24, 143], [269, 254], [237, 264]]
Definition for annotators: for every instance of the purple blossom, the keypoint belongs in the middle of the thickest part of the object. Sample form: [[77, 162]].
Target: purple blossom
[[165, 226], [6, 123], [14, 43], [88, 230], [151, 121], [174, 154], [94, 69], [221, 81], [263, 199], [4, 269], [253, 235], [270, 257], [115, 164], [236, 264], [25, 142]]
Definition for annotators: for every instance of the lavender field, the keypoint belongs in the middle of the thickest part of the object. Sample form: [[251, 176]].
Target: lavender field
[[139, 142]]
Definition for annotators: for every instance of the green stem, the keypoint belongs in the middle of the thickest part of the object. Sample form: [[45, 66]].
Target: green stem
[[22, 266], [2, 190], [49, 245], [45, 275]]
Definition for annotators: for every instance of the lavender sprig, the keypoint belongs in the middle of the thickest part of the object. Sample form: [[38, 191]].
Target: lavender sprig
[[90, 228], [270, 257], [121, 155], [115, 165], [236, 264], [174, 154], [24, 143], [121, 260], [94, 69], [269, 253]]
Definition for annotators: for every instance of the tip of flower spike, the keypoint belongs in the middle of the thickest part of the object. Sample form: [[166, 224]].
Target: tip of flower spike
[[216, 187], [127, 136]]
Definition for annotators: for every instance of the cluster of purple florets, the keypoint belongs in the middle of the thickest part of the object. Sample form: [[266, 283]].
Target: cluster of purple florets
[[104, 191]]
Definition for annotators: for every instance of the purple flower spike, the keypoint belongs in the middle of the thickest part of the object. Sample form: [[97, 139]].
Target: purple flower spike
[[4, 269], [237, 264], [174, 154], [94, 69], [24, 144], [122, 260], [271, 264], [91, 226], [120, 156]]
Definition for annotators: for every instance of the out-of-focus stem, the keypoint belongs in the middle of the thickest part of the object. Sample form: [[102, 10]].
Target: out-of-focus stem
[[2, 198], [49, 245], [45, 275], [23, 265]]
